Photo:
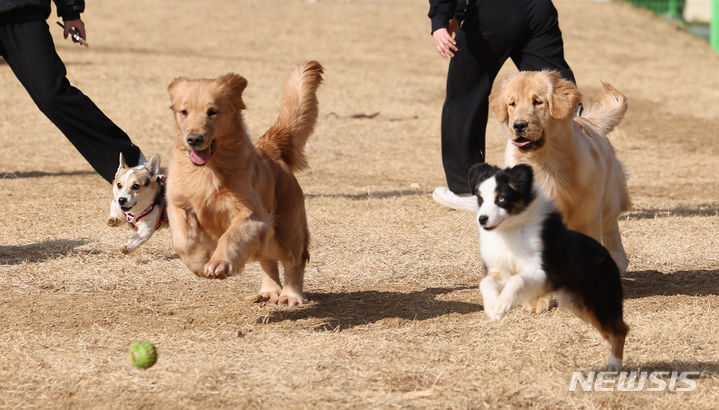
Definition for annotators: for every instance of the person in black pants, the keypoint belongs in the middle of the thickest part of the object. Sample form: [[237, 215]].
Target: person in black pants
[[28, 48], [489, 32]]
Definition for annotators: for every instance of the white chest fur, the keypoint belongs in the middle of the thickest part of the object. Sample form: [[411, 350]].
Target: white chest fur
[[510, 252]]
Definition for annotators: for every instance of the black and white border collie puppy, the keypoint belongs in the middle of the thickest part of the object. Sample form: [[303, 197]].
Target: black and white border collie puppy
[[528, 251]]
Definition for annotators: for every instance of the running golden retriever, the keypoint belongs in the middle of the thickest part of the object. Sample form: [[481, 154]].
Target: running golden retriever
[[230, 202], [571, 155]]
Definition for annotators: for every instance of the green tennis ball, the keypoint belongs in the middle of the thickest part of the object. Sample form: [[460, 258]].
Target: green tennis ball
[[143, 354]]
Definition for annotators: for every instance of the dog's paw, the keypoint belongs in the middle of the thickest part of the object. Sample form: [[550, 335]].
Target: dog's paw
[[217, 269], [502, 307], [125, 250], [493, 315], [114, 221], [291, 298], [272, 296], [541, 305], [613, 365], [491, 310]]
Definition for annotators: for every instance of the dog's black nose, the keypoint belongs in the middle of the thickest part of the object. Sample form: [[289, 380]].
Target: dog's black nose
[[483, 219], [122, 200], [520, 126], [194, 140]]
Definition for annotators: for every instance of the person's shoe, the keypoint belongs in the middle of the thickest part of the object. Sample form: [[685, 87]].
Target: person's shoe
[[462, 202]]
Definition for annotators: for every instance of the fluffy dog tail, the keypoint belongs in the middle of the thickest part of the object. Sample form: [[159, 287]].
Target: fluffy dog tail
[[286, 139], [610, 110]]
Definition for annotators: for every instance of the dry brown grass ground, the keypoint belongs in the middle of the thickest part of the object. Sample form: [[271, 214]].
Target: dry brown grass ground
[[396, 317]]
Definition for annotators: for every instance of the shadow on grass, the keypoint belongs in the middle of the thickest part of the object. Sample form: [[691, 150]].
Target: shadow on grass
[[647, 283], [371, 195], [38, 252], [685, 211], [346, 310], [40, 174], [705, 368]]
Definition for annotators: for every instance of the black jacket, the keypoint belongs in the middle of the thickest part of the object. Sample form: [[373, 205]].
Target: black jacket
[[441, 11], [17, 11]]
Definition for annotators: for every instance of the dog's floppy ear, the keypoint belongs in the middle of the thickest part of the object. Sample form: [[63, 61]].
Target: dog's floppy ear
[[478, 173], [153, 166], [521, 178], [234, 84], [172, 90], [497, 104], [565, 97]]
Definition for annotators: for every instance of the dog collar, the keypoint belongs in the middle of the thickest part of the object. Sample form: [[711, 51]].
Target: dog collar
[[131, 218]]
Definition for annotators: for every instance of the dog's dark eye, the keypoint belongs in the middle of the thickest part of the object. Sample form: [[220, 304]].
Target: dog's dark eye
[[480, 200], [119, 185], [537, 102], [183, 113], [512, 103], [211, 112], [135, 187]]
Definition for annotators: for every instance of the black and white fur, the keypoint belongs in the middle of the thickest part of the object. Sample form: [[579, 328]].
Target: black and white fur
[[528, 252]]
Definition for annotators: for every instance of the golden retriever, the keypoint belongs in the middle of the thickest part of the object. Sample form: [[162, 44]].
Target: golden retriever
[[572, 157], [230, 202]]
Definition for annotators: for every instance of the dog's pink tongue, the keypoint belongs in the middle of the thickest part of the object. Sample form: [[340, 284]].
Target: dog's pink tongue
[[520, 144], [200, 157]]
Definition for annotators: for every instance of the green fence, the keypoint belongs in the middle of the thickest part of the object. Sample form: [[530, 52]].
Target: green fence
[[714, 28], [671, 7], [707, 27]]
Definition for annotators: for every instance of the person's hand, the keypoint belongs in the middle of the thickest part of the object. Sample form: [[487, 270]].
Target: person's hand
[[77, 25], [443, 41]]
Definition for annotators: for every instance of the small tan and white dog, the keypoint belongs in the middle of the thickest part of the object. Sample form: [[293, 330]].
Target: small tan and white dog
[[139, 199]]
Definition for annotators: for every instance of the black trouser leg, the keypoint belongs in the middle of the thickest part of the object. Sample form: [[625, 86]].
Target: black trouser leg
[[544, 47], [464, 114], [30, 52]]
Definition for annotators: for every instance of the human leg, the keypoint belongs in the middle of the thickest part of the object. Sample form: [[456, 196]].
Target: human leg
[[464, 114], [488, 36], [30, 52]]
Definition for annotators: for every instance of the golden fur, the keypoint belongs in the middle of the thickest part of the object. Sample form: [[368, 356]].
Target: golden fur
[[242, 202], [572, 157]]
